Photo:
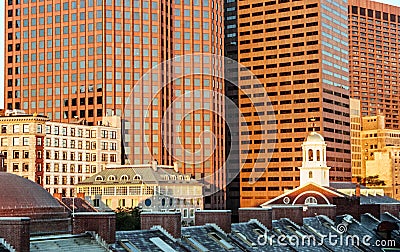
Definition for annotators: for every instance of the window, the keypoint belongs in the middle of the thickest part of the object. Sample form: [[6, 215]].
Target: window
[[16, 128], [310, 201], [16, 141], [26, 128]]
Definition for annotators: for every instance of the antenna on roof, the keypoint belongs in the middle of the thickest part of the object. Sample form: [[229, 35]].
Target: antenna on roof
[[313, 123]]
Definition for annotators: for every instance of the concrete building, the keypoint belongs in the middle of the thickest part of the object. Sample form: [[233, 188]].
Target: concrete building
[[22, 144], [63, 154], [298, 51], [67, 59], [374, 70], [153, 188], [2, 157], [356, 148], [380, 155]]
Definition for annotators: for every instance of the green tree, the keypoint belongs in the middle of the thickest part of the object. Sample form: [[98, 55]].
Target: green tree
[[127, 218]]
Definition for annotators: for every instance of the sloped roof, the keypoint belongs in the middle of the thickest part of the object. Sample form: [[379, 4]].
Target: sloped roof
[[309, 187], [70, 243], [141, 239], [138, 175], [378, 199], [246, 234], [78, 205], [345, 185], [3, 249]]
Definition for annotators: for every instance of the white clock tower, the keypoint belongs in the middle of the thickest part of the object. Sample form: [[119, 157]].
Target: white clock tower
[[314, 168]]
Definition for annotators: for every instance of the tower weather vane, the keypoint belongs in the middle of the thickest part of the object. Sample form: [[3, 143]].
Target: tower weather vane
[[313, 123]]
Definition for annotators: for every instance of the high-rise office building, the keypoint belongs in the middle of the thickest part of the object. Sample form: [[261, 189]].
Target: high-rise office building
[[82, 59], [298, 51], [356, 146], [374, 30], [231, 109]]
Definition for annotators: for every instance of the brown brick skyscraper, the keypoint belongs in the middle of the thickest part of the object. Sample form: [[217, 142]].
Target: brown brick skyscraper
[[299, 52], [374, 30], [81, 59]]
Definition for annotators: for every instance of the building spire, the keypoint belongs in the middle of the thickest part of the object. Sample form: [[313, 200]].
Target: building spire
[[313, 123]]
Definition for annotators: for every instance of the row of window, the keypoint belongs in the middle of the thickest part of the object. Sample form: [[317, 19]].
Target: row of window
[[79, 156], [72, 168], [55, 130], [378, 14]]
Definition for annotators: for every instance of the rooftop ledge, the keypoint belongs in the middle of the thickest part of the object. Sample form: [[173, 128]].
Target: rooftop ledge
[[94, 213], [256, 208], [163, 213], [213, 211], [14, 218]]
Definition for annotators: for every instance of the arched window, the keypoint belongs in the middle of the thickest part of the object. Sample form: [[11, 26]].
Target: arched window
[[310, 201], [111, 178], [310, 155], [180, 177], [137, 177], [310, 174], [99, 178], [124, 178], [318, 155]]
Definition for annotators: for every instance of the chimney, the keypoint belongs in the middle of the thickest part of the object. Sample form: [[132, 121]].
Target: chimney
[[176, 169], [80, 195], [294, 213], [102, 223], [358, 190], [16, 232], [220, 217], [57, 196], [264, 215], [154, 165], [170, 221]]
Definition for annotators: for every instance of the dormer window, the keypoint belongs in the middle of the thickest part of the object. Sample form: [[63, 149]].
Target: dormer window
[[124, 178], [99, 178], [166, 177], [111, 178], [137, 177]]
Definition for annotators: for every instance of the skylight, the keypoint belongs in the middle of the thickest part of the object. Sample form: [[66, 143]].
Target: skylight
[[162, 244], [221, 241], [127, 245], [197, 245]]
